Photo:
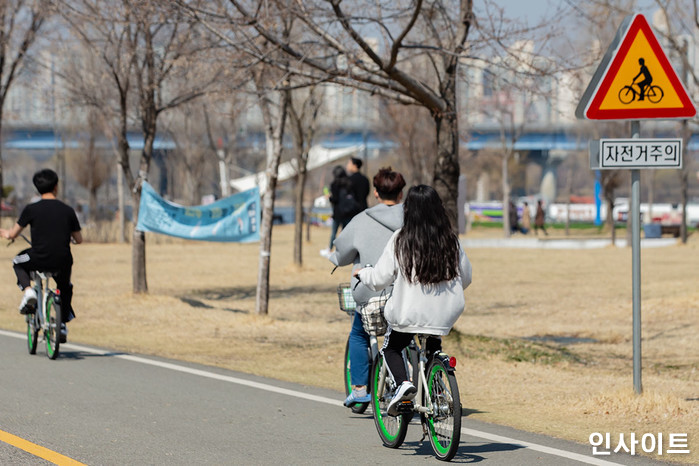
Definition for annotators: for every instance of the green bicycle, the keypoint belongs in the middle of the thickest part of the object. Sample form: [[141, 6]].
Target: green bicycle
[[45, 322], [437, 401], [348, 305]]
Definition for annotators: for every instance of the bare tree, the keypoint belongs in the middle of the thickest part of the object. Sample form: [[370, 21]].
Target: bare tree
[[191, 158], [101, 77], [274, 107], [147, 49], [329, 42], [166, 44], [20, 22], [218, 146], [89, 167], [272, 88], [512, 87], [414, 139], [303, 122], [679, 33]]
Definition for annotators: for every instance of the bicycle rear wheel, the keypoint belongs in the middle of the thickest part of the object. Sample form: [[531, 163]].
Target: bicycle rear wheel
[[32, 332], [357, 408], [444, 424], [392, 429], [53, 333], [655, 94]]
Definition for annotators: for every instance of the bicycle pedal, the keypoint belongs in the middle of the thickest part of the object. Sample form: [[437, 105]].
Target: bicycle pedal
[[405, 407]]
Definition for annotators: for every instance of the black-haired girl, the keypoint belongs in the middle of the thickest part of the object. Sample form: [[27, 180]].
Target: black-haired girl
[[429, 269]]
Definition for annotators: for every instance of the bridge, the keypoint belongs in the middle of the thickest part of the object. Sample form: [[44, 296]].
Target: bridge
[[545, 147]]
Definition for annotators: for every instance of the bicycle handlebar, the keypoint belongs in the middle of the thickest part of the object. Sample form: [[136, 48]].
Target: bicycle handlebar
[[23, 237]]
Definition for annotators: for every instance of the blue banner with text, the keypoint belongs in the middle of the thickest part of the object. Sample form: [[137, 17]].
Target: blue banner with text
[[233, 219]]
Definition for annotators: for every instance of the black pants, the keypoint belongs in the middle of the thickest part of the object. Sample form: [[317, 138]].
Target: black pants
[[23, 265], [393, 344]]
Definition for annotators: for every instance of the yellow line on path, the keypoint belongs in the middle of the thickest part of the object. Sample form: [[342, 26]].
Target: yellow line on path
[[37, 450]]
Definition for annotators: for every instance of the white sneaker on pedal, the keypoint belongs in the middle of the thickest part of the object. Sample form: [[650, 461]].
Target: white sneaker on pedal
[[28, 304], [405, 392], [325, 253]]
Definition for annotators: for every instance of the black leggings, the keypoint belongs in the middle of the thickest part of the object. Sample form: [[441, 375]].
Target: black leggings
[[393, 345]]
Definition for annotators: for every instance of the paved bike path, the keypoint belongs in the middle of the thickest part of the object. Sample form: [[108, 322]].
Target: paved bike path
[[99, 407]]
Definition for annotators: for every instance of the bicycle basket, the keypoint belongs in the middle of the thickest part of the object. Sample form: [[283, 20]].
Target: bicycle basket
[[347, 303], [372, 315]]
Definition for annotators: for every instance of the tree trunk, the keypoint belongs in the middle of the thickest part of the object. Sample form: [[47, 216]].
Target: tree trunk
[[299, 214], [684, 187], [610, 217], [569, 193], [2, 185], [273, 155], [506, 227], [274, 134], [121, 234], [684, 180], [138, 256], [446, 170], [223, 173], [140, 283], [262, 294], [92, 203]]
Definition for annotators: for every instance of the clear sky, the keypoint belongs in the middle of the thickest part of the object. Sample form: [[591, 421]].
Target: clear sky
[[535, 9]]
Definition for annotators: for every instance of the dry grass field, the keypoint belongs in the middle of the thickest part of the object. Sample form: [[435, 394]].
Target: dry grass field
[[544, 344]]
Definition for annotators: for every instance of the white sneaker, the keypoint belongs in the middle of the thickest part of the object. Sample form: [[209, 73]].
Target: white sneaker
[[325, 253], [28, 304], [405, 392]]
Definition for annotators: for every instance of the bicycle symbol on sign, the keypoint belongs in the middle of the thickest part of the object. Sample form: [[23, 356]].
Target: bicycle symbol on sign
[[628, 94]]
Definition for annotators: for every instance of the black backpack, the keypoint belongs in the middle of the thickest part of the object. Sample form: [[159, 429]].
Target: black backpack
[[347, 205]]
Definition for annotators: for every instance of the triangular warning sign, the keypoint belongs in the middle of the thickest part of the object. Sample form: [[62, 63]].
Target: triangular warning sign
[[635, 80]]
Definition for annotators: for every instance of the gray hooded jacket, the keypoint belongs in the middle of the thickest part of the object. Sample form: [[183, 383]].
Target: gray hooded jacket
[[363, 240]]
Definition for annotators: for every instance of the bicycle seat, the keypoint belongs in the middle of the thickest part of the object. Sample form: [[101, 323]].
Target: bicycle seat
[[44, 274]]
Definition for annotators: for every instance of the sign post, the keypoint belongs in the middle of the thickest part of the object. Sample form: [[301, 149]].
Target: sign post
[[636, 264], [617, 93]]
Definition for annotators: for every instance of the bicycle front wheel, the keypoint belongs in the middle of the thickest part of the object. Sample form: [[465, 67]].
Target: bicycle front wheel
[[32, 332], [627, 95], [53, 332], [392, 429], [444, 424]]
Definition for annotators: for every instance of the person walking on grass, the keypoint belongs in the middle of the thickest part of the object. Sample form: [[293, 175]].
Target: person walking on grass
[[539, 219], [429, 271], [514, 219], [526, 223], [53, 226], [362, 242], [359, 182], [343, 203]]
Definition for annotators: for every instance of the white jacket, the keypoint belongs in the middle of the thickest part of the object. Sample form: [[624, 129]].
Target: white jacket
[[415, 308]]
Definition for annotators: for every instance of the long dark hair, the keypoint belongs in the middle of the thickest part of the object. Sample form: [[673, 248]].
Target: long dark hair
[[427, 248]]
